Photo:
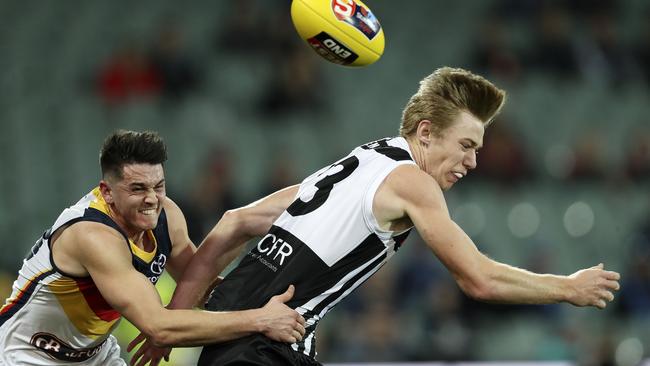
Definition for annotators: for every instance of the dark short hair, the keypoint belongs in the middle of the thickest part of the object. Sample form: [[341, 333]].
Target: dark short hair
[[130, 147]]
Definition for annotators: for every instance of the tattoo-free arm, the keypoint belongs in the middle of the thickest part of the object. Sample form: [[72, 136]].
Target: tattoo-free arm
[[409, 191], [225, 241], [104, 254]]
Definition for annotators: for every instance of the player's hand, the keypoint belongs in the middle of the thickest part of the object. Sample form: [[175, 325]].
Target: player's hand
[[279, 322], [594, 287], [147, 352]]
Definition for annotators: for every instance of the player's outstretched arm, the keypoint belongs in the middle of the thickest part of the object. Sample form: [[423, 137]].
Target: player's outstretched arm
[[409, 191], [276, 328], [107, 259], [225, 241]]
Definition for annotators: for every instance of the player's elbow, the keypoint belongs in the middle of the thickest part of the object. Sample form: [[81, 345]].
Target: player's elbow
[[248, 221], [235, 221], [479, 288], [164, 339], [230, 224], [160, 336], [160, 332], [478, 281], [232, 216]]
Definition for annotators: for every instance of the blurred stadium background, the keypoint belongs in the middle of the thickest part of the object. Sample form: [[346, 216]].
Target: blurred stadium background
[[245, 107]]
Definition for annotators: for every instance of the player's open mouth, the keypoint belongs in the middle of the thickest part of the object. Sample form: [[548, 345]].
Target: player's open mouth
[[455, 176], [150, 211]]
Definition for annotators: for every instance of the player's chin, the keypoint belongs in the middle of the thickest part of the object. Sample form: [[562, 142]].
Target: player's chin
[[447, 184], [147, 222]]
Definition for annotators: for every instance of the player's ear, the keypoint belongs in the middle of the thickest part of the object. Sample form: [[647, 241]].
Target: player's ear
[[424, 132], [106, 191]]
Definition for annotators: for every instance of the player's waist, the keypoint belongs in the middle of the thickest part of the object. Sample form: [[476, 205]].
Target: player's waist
[[61, 350], [252, 350], [55, 337]]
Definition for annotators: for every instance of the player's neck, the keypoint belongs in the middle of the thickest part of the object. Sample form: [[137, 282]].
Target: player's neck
[[135, 235], [418, 152], [138, 239]]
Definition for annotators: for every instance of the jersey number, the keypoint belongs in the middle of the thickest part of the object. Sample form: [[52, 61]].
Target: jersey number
[[325, 185]]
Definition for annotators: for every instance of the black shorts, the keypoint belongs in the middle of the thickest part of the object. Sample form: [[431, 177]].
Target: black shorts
[[253, 350]]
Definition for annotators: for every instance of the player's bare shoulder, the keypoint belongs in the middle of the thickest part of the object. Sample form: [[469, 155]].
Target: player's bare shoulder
[[388, 204], [406, 186], [408, 182], [75, 244], [176, 223], [174, 214], [85, 235]]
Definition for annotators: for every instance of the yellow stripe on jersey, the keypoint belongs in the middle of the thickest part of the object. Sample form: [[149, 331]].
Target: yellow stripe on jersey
[[79, 312], [99, 204], [25, 291]]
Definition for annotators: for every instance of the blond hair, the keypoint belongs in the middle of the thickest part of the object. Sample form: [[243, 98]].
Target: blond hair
[[447, 92]]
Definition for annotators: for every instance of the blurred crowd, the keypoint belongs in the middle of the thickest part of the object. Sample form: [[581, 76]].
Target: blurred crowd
[[569, 41], [412, 309], [167, 70], [564, 41]]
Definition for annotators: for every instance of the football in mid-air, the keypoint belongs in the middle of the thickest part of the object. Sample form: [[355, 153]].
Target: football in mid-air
[[344, 32]]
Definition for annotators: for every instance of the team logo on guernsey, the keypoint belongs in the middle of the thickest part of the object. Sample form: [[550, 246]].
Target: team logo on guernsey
[[358, 16], [58, 349]]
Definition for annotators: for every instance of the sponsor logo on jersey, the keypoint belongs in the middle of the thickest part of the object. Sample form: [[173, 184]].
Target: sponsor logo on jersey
[[158, 264], [331, 49], [356, 15], [273, 246], [275, 249], [157, 267], [58, 349]]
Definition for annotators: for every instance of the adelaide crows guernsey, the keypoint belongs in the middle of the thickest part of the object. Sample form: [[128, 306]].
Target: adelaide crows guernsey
[[52, 316], [326, 243]]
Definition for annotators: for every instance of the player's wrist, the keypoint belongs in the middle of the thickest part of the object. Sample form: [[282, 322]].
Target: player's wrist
[[254, 321], [567, 291]]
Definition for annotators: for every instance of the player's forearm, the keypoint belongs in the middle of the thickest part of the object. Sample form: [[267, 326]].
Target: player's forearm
[[195, 328], [507, 284], [218, 249], [194, 283], [199, 280], [189, 293]]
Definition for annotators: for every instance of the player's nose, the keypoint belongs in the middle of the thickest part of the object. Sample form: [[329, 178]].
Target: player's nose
[[469, 162]]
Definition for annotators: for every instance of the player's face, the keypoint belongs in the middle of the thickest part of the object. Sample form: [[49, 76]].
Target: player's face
[[451, 156], [136, 200]]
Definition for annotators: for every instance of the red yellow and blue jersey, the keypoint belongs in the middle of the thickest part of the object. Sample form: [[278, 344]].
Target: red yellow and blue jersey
[[52, 316]]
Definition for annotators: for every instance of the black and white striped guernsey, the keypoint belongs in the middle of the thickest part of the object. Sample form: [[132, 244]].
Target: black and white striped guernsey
[[326, 243]]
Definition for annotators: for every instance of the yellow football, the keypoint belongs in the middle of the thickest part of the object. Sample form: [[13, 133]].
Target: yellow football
[[344, 32]]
